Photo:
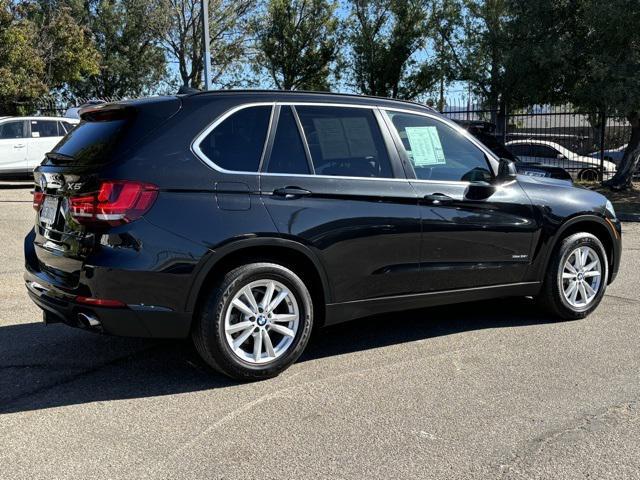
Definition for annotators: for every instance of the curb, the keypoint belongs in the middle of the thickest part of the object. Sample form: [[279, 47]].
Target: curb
[[629, 217]]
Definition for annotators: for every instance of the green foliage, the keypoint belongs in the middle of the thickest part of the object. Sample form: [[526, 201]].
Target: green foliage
[[384, 35], [127, 35], [42, 47], [64, 44], [586, 52], [228, 30], [297, 43]]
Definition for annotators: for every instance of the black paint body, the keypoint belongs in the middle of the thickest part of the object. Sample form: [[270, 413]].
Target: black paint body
[[371, 245]]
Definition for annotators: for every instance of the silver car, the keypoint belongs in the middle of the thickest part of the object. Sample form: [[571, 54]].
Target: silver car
[[542, 152]]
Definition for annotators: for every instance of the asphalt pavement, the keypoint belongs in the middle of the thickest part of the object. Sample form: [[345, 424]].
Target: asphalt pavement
[[493, 389]]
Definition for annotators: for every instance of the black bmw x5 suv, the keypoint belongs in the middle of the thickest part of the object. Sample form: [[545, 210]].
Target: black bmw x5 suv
[[243, 218]]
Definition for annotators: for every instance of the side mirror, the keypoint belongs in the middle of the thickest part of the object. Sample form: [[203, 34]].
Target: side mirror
[[506, 170]]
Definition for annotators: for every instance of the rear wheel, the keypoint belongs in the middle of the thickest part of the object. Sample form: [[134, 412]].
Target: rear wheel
[[255, 323], [576, 279]]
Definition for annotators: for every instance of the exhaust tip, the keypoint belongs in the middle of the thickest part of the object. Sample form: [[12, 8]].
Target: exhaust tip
[[88, 320]]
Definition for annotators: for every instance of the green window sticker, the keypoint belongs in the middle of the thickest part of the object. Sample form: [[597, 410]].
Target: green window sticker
[[426, 148]]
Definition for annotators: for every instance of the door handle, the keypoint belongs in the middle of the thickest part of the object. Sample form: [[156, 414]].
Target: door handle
[[438, 198], [291, 192], [21, 145]]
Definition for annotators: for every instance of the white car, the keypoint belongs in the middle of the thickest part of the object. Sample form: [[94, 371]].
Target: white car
[[542, 152], [25, 140]]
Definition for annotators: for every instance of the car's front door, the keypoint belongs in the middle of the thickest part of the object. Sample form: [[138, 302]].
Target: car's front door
[[474, 232], [332, 178], [13, 146]]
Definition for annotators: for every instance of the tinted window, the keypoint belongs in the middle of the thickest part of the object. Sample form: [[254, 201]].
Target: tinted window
[[345, 142], [288, 155], [237, 143], [9, 130], [44, 128], [439, 152], [91, 142], [543, 151], [520, 150]]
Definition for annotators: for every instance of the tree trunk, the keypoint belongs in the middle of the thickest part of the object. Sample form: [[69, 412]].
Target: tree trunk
[[629, 164]]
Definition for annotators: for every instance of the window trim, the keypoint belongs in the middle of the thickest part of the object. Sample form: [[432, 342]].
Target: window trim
[[395, 155], [491, 158], [303, 139], [195, 144]]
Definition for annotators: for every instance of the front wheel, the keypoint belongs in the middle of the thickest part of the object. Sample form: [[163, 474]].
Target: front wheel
[[576, 279], [256, 322]]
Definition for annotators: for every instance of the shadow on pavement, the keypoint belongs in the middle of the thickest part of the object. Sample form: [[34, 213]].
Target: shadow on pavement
[[52, 366]]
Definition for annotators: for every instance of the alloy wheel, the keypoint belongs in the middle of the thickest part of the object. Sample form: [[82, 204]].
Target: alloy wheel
[[261, 321], [581, 277]]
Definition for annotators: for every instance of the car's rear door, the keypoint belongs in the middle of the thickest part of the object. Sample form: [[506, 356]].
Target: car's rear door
[[473, 235], [45, 134], [332, 180]]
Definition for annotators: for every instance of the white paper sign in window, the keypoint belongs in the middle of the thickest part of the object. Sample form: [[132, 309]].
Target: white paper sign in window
[[426, 148], [344, 138]]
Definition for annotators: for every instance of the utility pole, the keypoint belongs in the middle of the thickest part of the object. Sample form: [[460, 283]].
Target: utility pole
[[205, 43]]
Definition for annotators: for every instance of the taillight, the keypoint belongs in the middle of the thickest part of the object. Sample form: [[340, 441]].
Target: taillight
[[38, 198], [116, 202]]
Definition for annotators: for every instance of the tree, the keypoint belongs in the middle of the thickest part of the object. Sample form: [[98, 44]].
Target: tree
[[384, 35], [227, 33], [445, 26], [21, 68], [591, 58], [297, 43], [64, 43], [606, 66], [127, 34], [42, 47]]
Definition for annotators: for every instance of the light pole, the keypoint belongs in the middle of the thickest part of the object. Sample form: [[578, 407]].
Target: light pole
[[205, 42]]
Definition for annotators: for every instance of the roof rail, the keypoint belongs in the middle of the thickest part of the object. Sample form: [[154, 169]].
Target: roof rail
[[314, 92]]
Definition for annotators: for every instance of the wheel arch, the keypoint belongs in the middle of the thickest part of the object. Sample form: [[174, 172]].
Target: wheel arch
[[286, 252], [592, 224]]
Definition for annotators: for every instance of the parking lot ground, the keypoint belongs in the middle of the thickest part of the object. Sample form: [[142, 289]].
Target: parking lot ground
[[494, 389]]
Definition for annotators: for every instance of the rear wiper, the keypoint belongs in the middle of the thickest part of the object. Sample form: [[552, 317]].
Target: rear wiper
[[60, 157]]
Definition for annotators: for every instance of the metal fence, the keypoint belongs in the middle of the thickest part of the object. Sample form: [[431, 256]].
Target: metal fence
[[587, 144], [57, 106]]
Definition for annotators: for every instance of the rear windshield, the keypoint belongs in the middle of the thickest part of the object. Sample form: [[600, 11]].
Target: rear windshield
[[108, 133], [89, 142]]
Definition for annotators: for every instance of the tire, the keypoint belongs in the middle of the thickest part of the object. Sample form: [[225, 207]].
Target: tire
[[555, 296], [221, 323], [588, 175]]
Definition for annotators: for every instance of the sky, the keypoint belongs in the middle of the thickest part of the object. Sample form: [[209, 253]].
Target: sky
[[455, 93]]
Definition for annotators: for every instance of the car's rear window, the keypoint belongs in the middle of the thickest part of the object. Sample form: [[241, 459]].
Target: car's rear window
[[238, 141], [90, 142]]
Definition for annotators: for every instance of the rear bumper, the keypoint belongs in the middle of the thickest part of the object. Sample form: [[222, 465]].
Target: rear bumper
[[59, 306]]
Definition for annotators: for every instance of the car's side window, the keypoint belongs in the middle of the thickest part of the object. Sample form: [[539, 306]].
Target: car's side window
[[439, 152], [544, 151], [520, 149], [238, 141], [288, 154], [44, 128], [65, 127], [12, 130], [345, 141]]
